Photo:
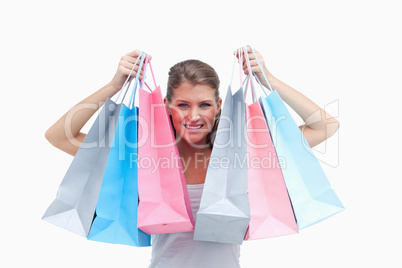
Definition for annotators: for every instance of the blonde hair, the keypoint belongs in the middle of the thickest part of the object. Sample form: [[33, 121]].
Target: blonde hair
[[194, 72]]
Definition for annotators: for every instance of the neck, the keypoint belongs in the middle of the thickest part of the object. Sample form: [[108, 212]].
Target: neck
[[195, 161], [187, 150]]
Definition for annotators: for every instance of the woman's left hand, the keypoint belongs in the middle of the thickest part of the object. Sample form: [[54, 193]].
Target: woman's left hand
[[255, 68], [318, 124]]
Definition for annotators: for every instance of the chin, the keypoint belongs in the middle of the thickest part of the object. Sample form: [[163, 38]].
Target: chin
[[198, 142]]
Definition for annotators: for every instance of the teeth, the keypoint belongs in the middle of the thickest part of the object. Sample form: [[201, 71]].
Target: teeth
[[190, 127]]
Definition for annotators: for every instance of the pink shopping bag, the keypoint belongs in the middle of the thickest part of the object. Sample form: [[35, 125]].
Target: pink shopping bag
[[270, 207], [164, 204]]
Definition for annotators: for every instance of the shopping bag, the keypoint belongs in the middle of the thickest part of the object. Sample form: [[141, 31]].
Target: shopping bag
[[74, 206], [224, 212], [270, 208], [311, 194], [164, 205], [116, 211], [117, 207]]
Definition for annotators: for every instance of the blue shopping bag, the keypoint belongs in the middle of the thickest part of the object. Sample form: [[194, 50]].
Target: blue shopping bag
[[310, 192], [117, 208]]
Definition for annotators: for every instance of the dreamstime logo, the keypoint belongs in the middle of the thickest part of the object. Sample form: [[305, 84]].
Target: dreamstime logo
[[102, 134]]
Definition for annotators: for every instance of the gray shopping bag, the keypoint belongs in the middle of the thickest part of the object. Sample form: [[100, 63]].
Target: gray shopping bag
[[224, 212], [77, 196]]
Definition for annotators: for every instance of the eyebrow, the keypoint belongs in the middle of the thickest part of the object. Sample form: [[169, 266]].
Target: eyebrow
[[200, 101]]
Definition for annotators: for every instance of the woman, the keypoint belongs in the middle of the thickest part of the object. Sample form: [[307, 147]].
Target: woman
[[194, 106]]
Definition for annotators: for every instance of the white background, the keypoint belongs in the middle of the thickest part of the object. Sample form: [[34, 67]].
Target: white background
[[344, 53]]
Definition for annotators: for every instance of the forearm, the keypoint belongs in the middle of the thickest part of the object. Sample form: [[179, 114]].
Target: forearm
[[318, 124], [68, 127], [313, 115], [65, 133]]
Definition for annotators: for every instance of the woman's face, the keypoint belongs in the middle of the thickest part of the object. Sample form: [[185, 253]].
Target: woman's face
[[193, 109]]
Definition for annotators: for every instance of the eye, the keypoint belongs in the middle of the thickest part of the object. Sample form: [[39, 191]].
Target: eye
[[182, 105], [205, 105]]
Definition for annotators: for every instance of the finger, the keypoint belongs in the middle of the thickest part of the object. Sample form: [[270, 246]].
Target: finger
[[251, 55], [237, 53], [256, 69], [254, 63], [245, 64], [244, 61], [249, 50], [245, 69], [130, 59], [247, 56], [127, 63], [130, 68], [135, 53], [127, 69], [134, 73], [124, 72], [133, 60]]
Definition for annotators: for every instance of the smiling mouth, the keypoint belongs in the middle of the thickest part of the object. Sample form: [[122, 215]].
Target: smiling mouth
[[193, 126]]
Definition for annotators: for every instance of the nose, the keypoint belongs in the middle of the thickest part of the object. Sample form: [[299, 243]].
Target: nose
[[193, 116]]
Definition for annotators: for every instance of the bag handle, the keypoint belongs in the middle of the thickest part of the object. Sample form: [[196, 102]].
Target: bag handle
[[152, 72], [148, 62], [240, 70], [250, 75], [128, 80], [133, 93], [144, 60], [259, 65], [242, 52]]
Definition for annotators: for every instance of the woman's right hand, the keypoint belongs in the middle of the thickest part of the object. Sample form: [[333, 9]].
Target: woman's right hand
[[66, 134], [125, 66]]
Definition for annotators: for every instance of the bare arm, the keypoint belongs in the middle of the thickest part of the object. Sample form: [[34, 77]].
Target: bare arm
[[66, 133], [318, 124]]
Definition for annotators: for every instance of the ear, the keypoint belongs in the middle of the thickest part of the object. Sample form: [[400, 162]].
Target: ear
[[219, 106], [165, 101]]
